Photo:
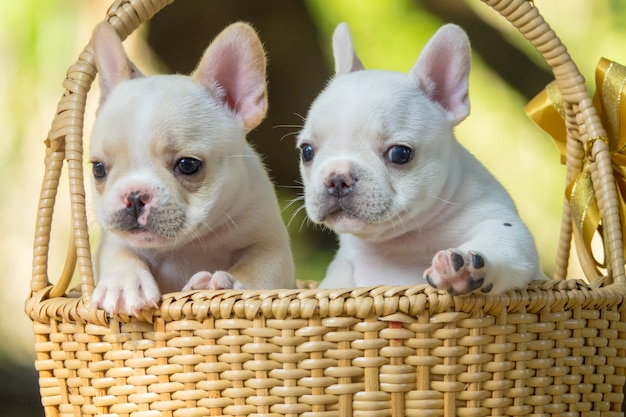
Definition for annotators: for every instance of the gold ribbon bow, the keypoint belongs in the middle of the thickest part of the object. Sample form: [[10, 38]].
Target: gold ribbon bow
[[547, 111]]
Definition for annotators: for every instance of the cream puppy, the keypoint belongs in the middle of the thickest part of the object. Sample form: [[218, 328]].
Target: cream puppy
[[382, 168], [183, 201]]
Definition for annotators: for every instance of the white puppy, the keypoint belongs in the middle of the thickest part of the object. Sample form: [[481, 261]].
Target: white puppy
[[178, 192], [382, 168]]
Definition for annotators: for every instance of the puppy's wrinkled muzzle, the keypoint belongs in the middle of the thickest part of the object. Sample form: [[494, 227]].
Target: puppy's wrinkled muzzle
[[345, 196], [143, 213]]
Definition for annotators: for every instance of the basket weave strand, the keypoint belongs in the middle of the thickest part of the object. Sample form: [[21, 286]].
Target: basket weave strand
[[555, 348]]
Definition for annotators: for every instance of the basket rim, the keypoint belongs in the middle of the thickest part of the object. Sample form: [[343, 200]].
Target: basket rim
[[399, 303]]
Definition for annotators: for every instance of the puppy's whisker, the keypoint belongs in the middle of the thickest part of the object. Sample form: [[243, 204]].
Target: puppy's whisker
[[307, 222], [397, 221], [444, 201], [299, 185], [292, 202], [200, 237], [418, 225], [288, 126], [230, 221], [297, 210], [291, 187], [401, 218], [210, 230], [299, 127], [410, 217], [304, 221], [289, 134], [293, 216]]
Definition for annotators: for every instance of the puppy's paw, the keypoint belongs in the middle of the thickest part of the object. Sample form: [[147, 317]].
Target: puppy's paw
[[457, 272], [203, 280], [127, 294]]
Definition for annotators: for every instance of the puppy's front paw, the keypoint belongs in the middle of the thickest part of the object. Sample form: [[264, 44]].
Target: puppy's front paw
[[127, 293], [203, 280], [457, 272]]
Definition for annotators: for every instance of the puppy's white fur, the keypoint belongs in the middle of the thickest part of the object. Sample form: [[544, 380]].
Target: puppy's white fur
[[382, 168], [178, 192]]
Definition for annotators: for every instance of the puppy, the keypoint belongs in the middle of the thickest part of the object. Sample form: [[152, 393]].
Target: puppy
[[178, 192], [382, 168]]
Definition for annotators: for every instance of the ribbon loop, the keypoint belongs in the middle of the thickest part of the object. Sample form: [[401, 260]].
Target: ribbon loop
[[547, 111]]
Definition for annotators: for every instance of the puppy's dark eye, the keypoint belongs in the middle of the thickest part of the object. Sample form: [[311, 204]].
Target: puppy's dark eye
[[307, 152], [99, 170], [399, 154], [187, 166]]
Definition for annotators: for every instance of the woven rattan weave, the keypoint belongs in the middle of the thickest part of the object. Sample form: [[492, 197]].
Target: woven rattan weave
[[555, 348]]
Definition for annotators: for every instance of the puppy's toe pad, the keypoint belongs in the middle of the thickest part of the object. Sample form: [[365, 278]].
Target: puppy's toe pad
[[198, 281], [456, 272], [203, 280], [222, 280]]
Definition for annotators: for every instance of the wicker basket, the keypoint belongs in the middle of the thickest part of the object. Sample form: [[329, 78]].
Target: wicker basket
[[557, 347]]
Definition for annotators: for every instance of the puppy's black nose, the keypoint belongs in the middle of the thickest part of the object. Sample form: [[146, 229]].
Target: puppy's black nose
[[339, 185], [135, 203]]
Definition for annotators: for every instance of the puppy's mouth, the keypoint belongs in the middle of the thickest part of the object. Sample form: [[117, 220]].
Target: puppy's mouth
[[342, 217], [338, 211], [127, 224], [368, 209], [345, 220], [138, 229], [352, 215], [143, 236]]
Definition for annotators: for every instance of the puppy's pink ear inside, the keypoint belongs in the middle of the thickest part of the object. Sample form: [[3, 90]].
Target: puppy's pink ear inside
[[442, 71], [346, 59], [111, 60], [233, 67]]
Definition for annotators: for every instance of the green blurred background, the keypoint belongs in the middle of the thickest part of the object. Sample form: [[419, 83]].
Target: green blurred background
[[39, 39]]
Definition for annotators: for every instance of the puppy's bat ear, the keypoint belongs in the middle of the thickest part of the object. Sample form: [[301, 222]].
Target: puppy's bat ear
[[111, 60], [345, 56], [233, 68], [442, 71]]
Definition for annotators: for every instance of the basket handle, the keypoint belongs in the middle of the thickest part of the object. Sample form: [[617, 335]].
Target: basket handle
[[583, 128], [65, 143]]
